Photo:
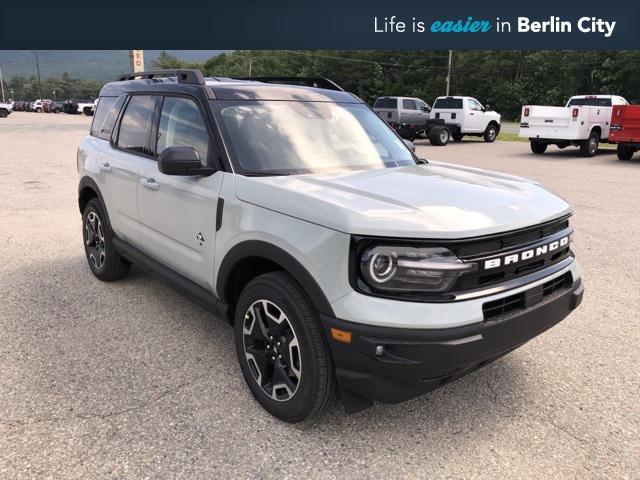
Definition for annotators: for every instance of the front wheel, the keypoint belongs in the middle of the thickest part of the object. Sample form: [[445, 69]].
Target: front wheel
[[589, 147], [624, 152], [538, 147], [283, 355], [491, 133]]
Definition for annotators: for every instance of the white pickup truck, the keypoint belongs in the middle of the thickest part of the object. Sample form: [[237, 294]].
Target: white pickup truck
[[5, 109], [584, 122]]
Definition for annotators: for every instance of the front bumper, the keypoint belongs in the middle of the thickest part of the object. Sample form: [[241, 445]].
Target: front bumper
[[416, 361]]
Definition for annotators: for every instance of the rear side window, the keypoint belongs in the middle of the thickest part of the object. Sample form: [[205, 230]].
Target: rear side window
[[105, 117], [408, 104], [135, 125], [182, 125], [448, 103], [386, 102], [590, 102]]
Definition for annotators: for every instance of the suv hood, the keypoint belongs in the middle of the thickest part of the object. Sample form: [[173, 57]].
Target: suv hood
[[423, 201]]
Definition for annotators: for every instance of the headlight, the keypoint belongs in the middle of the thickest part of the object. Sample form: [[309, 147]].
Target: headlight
[[406, 269]]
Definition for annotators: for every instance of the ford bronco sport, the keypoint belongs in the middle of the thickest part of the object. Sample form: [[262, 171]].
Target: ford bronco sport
[[345, 263]]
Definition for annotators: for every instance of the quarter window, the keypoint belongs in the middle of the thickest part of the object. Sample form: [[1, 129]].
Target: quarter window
[[105, 117], [181, 125], [136, 124]]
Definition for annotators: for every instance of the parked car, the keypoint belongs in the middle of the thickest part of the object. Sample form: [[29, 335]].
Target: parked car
[[5, 109], [407, 115], [583, 122], [76, 106], [56, 107], [625, 130], [37, 105], [341, 260], [466, 116]]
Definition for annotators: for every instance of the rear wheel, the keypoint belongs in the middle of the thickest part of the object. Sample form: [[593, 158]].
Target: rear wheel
[[589, 147], [624, 152], [538, 147], [282, 352], [439, 136], [4, 113], [491, 133], [104, 260]]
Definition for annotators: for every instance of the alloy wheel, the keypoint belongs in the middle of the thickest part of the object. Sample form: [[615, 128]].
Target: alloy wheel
[[272, 350], [95, 239]]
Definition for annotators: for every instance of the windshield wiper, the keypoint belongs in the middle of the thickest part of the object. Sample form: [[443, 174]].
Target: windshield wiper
[[266, 173]]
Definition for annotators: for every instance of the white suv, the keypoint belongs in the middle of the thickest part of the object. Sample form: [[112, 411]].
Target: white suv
[[343, 262]]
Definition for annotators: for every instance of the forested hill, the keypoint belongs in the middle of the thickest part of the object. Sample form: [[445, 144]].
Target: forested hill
[[504, 79], [103, 65]]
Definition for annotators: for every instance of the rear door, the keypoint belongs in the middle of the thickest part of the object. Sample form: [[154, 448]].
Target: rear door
[[178, 213], [387, 108], [122, 159], [409, 113]]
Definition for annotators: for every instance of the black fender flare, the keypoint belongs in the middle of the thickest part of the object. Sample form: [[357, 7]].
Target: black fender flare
[[88, 182], [258, 248]]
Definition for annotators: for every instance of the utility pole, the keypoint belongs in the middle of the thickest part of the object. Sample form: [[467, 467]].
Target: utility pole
[[250, 65], [2, 84], [449, 71], [38, 71]]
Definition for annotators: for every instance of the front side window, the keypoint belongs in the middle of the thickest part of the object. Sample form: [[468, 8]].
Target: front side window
[[135, 125], [475, 105], [290, 137], [181, 125], [408, 104]]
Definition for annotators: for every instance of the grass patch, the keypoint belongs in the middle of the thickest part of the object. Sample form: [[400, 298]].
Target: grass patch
[[511, 137]]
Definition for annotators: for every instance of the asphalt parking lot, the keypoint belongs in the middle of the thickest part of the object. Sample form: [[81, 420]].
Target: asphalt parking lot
[[130, 380]]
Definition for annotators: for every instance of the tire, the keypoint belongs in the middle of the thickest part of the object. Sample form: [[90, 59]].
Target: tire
[[457, 136], [104, 260], [538, 147], [38, 110], [4, 113], [491, 133], [305, 374], [624, 152], [439, 136], [589, 147]]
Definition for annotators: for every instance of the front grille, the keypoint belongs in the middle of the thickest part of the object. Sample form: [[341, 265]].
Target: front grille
[[526, 299]]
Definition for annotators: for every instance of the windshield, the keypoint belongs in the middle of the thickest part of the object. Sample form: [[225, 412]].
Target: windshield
[[293, 137]]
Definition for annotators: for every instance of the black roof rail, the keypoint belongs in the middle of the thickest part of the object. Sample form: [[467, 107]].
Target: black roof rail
[[316, 82], [189, 76]]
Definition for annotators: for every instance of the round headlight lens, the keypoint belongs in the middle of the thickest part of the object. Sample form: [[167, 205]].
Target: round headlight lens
[[382, 267]]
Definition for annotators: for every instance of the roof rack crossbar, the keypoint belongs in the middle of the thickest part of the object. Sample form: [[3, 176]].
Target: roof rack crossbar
[[188, 76], [316, 82]]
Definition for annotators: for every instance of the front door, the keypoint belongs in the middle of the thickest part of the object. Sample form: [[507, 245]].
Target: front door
[[178, 213]]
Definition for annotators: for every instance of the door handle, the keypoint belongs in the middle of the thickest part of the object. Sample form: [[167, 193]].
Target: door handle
[[105, 167], [150, 183]]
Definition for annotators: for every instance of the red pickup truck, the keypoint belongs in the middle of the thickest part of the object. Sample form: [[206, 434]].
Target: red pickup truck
[[625, 130]]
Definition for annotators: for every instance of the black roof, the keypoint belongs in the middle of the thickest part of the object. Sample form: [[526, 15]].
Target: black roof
[[216, 88]]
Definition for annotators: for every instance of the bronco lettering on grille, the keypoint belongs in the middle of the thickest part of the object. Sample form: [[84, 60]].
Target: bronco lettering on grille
[[523, 255]]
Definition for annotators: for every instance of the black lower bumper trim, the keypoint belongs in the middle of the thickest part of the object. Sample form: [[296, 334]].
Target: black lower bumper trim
[[391, 365]]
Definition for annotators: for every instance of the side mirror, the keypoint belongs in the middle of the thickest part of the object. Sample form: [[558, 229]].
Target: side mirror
[[183, 161], [487, 108], [410, 144], [425, 108]]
